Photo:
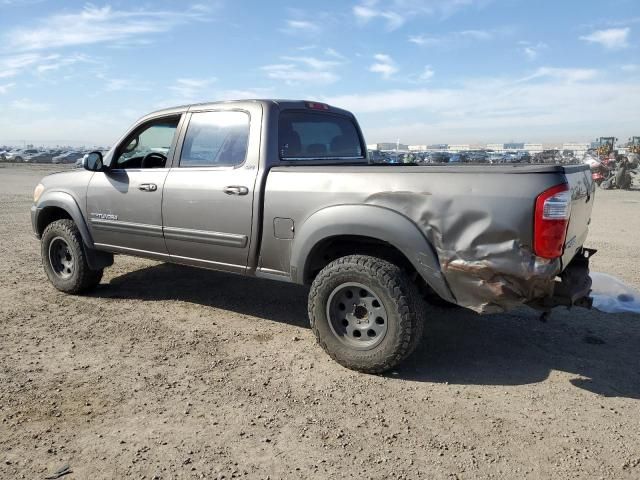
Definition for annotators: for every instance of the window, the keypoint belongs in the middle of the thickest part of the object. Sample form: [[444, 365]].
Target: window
[[148, 147], [216, 139], [306, 135]]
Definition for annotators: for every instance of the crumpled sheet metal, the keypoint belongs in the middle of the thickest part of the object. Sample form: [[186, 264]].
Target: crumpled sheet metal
[[479, 249]]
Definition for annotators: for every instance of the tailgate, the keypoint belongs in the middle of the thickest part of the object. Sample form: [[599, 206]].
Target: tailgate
[[582, 197]]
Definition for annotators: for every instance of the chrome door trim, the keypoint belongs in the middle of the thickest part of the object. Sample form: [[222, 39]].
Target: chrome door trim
[[127, 227], [205, 236]]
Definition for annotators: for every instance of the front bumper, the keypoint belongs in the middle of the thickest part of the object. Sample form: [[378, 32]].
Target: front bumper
[[35, 211]]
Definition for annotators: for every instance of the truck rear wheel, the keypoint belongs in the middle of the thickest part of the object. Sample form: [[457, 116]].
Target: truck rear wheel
[[366, 313], [64, 258]]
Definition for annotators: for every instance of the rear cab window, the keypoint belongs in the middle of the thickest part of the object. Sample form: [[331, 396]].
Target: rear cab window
[[312, 135]]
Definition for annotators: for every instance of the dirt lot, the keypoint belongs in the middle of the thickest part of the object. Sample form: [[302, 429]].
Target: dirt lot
[[172, 372]]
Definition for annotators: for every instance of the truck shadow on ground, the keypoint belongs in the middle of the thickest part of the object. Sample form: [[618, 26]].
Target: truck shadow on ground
[[460, 347]]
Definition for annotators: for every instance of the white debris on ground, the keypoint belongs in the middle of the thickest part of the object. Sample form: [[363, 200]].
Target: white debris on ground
[[612, 295]]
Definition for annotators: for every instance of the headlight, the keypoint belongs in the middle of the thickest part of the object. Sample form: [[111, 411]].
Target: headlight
[[38, 192]]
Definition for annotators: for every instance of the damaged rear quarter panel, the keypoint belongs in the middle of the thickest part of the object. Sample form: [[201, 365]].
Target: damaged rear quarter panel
[[479, 223]]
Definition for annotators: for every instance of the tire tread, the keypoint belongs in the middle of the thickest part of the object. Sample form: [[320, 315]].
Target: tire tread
[[404, 293]]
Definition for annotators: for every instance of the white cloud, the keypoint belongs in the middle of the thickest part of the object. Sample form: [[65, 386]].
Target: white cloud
[[396, 13], [304, 70], [298, 26], [364, 14], [98, 25], [190, 89], [19, 2], [11, 66], [553, 104], [330, 52], [612, 38], [384, 65], [567, 75], [532, 50], [314, 63], [456, 37], [292, 75], [427, 73], [29, 105], [123, 83], [630, 67], [56, 62], [38, 64], [5, 88]]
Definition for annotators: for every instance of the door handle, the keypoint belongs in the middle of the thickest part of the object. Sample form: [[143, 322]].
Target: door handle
[[235, 190], [148, 187]]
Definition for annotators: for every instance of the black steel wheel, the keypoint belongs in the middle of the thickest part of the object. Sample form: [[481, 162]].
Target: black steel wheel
[[61, 258], [64, 258]]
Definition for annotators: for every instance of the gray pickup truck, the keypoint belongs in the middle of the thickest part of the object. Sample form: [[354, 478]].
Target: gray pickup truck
[[283, 190]]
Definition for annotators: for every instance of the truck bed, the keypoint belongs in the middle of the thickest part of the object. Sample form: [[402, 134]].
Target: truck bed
[[478, 219]]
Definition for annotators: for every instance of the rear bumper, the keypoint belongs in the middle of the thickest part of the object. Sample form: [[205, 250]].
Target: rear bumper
[[573, 286]]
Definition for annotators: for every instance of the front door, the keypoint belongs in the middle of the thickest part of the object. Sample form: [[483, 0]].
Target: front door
[[124, 203], [208, 195]]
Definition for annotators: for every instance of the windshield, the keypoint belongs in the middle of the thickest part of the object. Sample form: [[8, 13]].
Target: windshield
[[311, 135]]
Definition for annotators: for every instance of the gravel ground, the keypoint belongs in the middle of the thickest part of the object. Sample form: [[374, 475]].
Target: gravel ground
[[173, 372]]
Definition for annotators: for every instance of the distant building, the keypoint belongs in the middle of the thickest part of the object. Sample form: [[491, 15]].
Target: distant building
[[514, 146], [393, 146], [418, 148], [372, 146], [578, 149], [533, 147], [459, 148], [496, 147], [438, 147]]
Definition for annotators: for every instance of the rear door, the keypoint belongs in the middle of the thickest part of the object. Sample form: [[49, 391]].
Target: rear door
[[582, 190], [208, 195]]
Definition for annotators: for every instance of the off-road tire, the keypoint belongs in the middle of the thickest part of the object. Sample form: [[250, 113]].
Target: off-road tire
[[400, 297], [82, 277]]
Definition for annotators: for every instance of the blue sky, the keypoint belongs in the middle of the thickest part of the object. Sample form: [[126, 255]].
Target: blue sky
[[421, 71]]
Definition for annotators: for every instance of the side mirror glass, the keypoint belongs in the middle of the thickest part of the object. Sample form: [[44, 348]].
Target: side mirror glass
[[93, 162]]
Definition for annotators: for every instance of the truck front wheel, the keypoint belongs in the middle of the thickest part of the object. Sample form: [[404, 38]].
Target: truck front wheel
[[365, 313], [64, 258]]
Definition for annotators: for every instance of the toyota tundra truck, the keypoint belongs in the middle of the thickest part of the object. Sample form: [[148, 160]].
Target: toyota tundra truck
[[283, 190]]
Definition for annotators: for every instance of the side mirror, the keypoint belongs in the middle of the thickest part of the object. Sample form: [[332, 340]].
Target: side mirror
[[93, 162]]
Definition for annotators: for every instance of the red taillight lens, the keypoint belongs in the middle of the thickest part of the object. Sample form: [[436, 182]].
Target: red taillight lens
[[553, 209]]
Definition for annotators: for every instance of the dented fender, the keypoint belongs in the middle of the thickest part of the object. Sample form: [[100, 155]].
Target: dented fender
[[372, 221], [481, 253]]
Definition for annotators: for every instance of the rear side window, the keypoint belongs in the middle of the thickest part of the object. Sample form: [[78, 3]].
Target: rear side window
[[216, 139], [306, 135]]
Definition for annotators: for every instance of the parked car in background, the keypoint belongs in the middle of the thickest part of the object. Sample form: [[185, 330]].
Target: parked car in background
[[438, 157], [67, 157], [80, 162], [21, 155], [41, 157]]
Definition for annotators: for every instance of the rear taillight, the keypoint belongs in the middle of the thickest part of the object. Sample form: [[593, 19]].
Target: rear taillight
[[553, 209]]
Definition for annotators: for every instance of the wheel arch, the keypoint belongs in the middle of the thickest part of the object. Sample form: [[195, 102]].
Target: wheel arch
[[55, 206], [364, 229]]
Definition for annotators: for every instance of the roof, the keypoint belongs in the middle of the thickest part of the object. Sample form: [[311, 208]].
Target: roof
[[281, 103]]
